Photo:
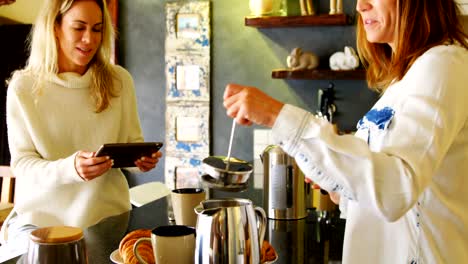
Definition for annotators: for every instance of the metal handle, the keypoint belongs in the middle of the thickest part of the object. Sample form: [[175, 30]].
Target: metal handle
[[261, 224]]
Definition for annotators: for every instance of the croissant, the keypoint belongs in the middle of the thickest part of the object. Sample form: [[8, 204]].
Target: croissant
[[144, 248], [267, 252]]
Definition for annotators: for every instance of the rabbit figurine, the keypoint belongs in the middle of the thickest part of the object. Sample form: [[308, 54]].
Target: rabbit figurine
[[300, 60], [347, 60]]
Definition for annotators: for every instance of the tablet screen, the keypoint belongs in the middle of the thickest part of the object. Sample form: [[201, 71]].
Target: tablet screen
[[125, 154]]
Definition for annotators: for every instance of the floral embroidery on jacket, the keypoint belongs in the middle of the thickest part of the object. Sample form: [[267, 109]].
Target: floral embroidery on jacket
[[375, 122]]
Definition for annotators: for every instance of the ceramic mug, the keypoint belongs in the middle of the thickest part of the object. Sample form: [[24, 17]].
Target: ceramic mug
[[184, 201], [171, 244]]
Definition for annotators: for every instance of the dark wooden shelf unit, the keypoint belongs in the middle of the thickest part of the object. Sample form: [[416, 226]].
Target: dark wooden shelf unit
[[297, 21], [319, 74]]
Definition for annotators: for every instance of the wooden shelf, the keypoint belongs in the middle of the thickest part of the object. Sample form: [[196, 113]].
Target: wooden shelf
[[307, 21], [319, 74], [297, 21]]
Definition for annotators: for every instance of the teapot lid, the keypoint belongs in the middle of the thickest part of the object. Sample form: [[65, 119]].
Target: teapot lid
[[211, 206]]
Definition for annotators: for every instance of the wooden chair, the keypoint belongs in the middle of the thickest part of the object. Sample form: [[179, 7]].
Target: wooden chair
[[7, 194]]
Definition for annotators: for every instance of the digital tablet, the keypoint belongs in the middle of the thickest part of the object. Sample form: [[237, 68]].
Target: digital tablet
[[125, 154]]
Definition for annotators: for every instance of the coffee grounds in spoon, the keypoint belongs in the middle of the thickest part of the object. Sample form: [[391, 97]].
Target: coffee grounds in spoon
[[235, 165]]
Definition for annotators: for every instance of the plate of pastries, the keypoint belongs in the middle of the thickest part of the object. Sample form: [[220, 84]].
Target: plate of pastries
[[124, 254]]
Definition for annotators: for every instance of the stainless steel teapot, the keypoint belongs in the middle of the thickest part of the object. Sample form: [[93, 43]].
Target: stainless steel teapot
[[229, 231]]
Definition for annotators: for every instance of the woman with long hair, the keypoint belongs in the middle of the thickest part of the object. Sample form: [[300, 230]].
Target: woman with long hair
[[66, 102], [401, 179]]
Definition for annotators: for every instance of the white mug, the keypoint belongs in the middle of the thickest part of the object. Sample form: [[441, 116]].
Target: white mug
[[184, 201], [171, 244]]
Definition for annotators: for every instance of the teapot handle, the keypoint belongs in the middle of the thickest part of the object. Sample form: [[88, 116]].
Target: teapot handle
[[261, 224]]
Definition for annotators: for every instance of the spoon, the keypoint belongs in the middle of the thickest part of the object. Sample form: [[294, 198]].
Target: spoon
[[233, 127]]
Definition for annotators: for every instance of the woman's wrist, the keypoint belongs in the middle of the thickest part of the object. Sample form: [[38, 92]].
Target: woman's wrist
[[275, 111]]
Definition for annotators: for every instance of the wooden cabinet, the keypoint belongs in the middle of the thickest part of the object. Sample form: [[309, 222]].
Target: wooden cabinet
[[113, 6], [464, 6], [308, 21], [13, 53], [297, 21], [319, 74]]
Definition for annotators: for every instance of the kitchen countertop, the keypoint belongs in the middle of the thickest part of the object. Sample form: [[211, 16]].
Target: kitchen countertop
[[307, 240]]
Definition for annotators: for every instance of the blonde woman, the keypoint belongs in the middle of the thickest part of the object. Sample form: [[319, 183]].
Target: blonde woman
[[61, 107], [401, 179]]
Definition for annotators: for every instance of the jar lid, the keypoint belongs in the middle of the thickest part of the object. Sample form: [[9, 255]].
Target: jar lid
[[56, 234]]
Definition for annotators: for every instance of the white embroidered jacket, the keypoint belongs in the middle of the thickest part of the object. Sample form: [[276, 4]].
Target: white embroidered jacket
[[403, 175]]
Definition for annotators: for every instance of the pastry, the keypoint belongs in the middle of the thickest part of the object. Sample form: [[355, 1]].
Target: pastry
[[134, 234], [144, 248], [267, 252]]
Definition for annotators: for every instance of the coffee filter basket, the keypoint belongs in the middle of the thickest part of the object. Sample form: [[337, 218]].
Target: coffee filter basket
[[226, 174]]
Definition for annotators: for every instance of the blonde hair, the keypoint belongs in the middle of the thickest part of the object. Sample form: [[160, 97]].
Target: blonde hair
[[43, 60], [421, 25]]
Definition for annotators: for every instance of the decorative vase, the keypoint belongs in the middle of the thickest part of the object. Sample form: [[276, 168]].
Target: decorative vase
[[264, 7]]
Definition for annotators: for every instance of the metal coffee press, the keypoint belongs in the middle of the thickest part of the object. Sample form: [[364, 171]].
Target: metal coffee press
[[283, 183], [227, 173]]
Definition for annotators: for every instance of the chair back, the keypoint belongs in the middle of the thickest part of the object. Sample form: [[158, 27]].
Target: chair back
[[7, 194]]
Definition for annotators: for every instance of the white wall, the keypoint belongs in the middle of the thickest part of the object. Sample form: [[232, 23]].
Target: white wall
[[24, 11]]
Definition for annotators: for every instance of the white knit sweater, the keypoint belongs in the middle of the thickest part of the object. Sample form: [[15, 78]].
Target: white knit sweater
[[44, 134]]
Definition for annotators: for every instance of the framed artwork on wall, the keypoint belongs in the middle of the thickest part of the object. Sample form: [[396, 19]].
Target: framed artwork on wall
[[187, 57], [183, 171], [187, 78], [188, 26], [186, 177], [187, 128]]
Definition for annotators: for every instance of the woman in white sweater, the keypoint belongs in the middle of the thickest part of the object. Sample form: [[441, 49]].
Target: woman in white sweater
[[402, 176], [61, 107]]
